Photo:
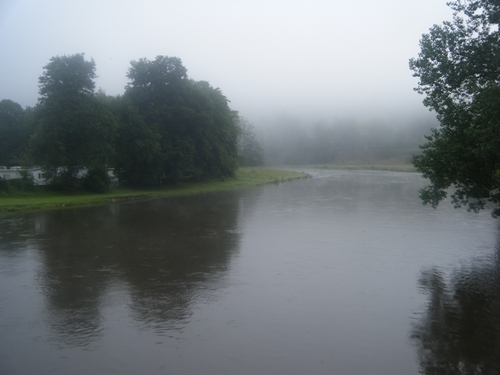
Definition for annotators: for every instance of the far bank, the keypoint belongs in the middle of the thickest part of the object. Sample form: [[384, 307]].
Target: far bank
[[368, 167]]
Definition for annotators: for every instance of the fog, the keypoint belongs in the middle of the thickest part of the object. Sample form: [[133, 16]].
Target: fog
[[311, 61]]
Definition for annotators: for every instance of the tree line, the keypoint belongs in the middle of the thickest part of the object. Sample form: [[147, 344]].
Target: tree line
[[290, 142], [165, 128]]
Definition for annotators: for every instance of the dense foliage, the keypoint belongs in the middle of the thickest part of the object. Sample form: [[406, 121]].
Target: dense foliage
[[23, 184], [75, 131], [15, 129], [165, 128], [459, 73], [189, 124]]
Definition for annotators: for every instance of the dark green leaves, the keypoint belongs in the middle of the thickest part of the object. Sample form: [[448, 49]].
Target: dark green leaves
[[14, 132], [459, 73], [75, 130], [67, 78], [190, 123], [166, 128]]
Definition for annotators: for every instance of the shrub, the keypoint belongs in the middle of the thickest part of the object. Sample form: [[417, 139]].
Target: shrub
[[4, 185], [96, 180], [25, 183]]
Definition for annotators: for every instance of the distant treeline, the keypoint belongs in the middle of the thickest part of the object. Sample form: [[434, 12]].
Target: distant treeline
[[288, 142], [164, 128]]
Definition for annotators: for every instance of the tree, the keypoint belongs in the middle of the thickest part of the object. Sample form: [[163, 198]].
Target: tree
[[192, 121], [214, 132], [11, 131], [16, 127], [157, 89], [76, 130], [251, 153], [458, 68], [139, 158]]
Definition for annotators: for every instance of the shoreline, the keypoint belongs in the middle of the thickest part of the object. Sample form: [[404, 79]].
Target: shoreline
[[246, 177], [367, 167]]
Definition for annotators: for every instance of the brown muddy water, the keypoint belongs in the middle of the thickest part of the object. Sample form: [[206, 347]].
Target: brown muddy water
[[344, 273]]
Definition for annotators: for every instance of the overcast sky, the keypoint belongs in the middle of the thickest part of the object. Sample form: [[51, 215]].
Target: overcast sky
[[314, 59]]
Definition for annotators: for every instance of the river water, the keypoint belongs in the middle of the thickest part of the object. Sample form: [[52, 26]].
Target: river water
[[344, 273]]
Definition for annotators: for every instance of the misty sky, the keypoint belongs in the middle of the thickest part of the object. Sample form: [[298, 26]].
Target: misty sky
[[315, 59]]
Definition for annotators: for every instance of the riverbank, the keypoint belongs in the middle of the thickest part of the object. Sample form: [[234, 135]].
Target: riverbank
[[376, 160], [48, 200], [369, 167]]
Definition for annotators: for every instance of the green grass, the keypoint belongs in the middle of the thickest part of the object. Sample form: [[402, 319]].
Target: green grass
[[48, 200]]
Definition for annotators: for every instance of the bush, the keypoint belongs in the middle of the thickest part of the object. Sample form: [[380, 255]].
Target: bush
[[64, 183], [96, 180], [25, 183], [4, 185]]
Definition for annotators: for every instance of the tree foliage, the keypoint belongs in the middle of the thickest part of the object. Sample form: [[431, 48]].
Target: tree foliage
[[74, 129], [139, 157], [189, 124], [15, 130], [458, 68], [165, 128]]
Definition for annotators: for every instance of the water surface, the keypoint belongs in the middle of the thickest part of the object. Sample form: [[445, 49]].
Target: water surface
[[345, 273]]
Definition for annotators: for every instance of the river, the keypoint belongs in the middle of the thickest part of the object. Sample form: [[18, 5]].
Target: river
[[343, 273]]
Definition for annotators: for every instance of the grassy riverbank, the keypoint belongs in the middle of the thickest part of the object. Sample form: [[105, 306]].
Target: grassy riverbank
[[48, 200]]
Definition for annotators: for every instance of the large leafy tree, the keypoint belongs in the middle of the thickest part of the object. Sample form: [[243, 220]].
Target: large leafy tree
[[157, 88], [459, 71], [192, 121], [75, 129]]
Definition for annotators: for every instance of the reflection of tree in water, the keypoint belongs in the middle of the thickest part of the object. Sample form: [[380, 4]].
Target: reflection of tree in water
[[460, 331], [73, 275], [169, 253], [183, 256]]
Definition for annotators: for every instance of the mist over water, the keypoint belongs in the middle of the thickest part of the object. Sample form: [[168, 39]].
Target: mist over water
[[343, 273]]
